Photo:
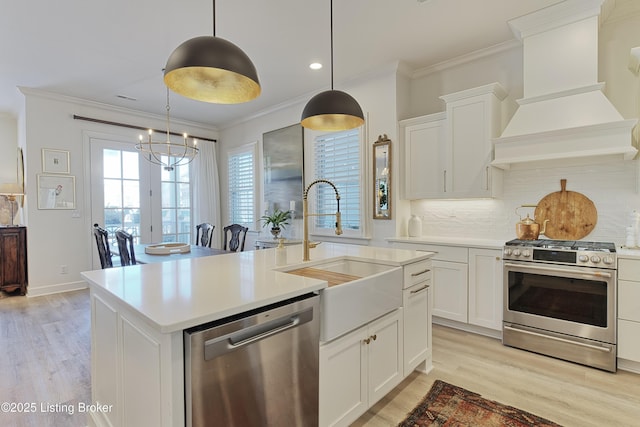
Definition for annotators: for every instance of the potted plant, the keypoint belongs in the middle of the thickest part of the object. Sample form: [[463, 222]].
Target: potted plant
[[278, 219]]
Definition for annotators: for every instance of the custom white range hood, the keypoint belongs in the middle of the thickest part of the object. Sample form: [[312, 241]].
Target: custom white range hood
[[564, 113]]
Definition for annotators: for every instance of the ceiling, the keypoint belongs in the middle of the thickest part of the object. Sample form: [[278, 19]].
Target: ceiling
[[102, 50]]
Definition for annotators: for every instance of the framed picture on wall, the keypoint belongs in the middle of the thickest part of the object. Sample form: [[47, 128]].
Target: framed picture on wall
[[55, 161], [56, 192]]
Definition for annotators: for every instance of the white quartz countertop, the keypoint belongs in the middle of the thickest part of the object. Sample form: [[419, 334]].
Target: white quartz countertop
[[451, 241], [632, 253], [177, 295]]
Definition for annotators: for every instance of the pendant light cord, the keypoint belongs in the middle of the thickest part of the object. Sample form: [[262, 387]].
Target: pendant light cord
[[331, 26], [168, 108], [214, 18]]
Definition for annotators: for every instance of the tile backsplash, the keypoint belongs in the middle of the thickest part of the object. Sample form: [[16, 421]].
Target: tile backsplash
[[612, 186]]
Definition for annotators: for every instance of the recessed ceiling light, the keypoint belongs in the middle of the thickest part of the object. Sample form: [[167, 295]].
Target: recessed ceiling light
[[315, 65]]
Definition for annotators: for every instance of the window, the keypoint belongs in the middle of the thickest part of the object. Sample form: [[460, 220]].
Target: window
[[121, 181], [176, 204], [337, 159], [241, 163]]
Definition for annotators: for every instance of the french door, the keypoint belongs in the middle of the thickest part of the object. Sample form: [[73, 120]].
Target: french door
[[123, 185], [146, 200]]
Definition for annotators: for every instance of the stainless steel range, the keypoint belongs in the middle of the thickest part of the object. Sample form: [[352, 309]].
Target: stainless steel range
[[560, 300]]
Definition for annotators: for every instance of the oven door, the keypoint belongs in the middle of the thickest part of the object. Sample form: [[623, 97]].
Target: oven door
[[576, 301]]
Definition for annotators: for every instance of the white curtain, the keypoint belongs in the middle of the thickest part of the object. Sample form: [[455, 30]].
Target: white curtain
[[206, 190]]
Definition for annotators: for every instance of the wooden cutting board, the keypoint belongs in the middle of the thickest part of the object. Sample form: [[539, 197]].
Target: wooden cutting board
[[571, 215]]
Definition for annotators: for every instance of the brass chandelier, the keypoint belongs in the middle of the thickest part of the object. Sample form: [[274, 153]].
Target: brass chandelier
[[168, 154]]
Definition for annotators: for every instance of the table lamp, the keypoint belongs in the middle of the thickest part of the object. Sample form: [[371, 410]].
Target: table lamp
[[10, 191]]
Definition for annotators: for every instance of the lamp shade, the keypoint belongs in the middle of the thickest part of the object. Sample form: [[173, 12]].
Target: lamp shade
[[332, 110], [11, 189], [212, 69]]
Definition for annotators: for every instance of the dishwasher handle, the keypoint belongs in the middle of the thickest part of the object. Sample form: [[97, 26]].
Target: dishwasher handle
[[227, 343], [293, 321]]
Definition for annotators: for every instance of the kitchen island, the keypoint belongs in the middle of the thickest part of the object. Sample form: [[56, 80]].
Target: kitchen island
[[139, 314]]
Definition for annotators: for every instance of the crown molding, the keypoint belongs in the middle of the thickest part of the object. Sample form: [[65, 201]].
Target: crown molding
[[469, 57]]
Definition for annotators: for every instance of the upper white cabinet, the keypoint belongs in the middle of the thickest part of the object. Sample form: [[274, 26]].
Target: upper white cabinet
[[449, 156], [424, 155], [474, 119]]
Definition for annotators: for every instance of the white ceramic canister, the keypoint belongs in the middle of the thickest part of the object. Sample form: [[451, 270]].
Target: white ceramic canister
[[415, 226]]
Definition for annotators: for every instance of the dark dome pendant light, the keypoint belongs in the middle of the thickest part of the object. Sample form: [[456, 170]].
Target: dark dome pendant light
[[332, 110], [211, 69]]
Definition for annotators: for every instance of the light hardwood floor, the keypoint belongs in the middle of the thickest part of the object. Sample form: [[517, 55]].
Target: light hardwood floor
[[569, 394], [45, 344]]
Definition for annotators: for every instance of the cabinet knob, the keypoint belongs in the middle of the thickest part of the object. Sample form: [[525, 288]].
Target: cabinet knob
[[366, 340], [374, 337]]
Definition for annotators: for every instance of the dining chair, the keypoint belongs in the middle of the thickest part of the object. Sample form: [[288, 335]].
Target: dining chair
[[127, 254], [204, 234], [102, 241], [234, 236]]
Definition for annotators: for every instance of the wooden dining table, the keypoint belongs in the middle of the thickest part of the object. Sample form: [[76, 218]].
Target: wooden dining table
[[195, 252]]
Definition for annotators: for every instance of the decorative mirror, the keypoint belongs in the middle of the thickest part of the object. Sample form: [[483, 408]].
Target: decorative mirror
[[382, 178]]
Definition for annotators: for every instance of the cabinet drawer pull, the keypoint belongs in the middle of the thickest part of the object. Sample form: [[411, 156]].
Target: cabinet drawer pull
[[415, 291], [366, 340], [420, 272], [374, 337]]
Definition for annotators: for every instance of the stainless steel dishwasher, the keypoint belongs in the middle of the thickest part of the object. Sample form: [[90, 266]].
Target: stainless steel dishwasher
[[259, 368]]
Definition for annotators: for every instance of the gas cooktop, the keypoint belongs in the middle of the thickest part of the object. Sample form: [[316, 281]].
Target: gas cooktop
[[566, 245], [567, 252]]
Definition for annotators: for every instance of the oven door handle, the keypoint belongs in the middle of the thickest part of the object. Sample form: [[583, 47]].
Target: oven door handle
[[593, 347], [559, 270]]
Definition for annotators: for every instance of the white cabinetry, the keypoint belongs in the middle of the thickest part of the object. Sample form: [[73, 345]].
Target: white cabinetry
[[424, 156], [474, 118], [133, 369], [629, 310], [417, 316], [485, 288], [467, 286], [448, 155], [359, 368]]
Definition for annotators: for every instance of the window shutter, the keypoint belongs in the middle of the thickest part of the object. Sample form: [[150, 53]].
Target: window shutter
[[241, 187], [337, 159]]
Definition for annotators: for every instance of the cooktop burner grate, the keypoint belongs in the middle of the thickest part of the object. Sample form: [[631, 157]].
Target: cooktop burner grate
[[567, 245]]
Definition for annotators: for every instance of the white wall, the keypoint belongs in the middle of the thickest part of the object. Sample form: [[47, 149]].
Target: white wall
[[376, 94], [612, 186], [64, 237], [8, 147]]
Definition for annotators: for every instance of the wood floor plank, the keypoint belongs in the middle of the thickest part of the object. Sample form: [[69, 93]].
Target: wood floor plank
[[564, 392]]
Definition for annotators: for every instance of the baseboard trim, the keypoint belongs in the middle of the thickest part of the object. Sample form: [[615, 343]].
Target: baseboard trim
[[467, 327], [55, 289]]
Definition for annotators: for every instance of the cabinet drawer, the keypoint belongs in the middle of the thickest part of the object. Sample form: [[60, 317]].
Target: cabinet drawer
[[629, 269], [628, 343], [629, 300], [447, 253], [417, 272]]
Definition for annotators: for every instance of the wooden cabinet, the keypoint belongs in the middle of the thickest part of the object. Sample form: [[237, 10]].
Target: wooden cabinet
[[485, 288], [424, 155], [360, 368], [474, 118], [13, 259], [416, 306], [629, 309]]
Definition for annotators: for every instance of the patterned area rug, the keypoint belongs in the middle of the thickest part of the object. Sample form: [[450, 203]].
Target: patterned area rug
[[448, 405]]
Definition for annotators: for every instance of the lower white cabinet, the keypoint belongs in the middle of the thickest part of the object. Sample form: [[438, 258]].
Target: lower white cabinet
[[629, 309], [358, 369], [485, 288], [450, 290], [417, 327], [467, 286]]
